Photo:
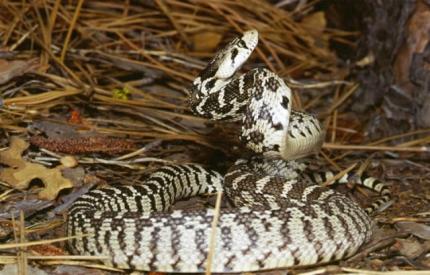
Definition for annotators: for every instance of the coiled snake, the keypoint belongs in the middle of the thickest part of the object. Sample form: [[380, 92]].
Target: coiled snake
[[283, 217]]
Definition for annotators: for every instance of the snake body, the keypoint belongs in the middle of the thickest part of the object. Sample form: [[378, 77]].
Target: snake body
[[259, 98], [282, 216]]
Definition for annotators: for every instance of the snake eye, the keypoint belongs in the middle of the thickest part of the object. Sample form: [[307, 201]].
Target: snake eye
[[242, 44]]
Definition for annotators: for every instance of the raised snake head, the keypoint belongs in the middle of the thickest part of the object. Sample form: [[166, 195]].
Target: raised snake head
[[231, 57]]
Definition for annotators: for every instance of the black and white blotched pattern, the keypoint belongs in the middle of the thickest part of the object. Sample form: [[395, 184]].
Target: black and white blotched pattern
[[282, 216]]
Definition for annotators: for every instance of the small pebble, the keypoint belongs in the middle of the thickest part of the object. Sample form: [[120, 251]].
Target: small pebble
[[69, 161]]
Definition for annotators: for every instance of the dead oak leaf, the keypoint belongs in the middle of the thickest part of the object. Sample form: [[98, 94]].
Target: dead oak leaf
[[20, 173], [12, 156], [11, 69]]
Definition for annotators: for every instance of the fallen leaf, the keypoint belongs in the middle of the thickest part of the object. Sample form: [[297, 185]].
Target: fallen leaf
[[206, 41], [11, 69], [315, 24], [11, 157], [47, 250], [28, 206], [417, 229], [52, 129], [409, 248], [20, 173]]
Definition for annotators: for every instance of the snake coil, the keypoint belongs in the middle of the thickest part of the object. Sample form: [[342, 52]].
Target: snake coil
[[282, 216]]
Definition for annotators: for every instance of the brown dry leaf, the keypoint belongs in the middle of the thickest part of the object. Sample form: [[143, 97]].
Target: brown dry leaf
[[28, 205], [206, 41], [47, 250], [11, 69], [20, 173], [315, 24], [417, 229], [409, 248], [12, 156]]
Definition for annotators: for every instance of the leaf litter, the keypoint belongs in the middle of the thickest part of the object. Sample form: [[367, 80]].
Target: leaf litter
[[98, 91], [20, 173]]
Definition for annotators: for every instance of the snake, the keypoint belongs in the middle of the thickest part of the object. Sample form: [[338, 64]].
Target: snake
[[281, 214]]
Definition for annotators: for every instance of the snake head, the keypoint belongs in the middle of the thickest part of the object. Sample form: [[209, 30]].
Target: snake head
[[234, 54]]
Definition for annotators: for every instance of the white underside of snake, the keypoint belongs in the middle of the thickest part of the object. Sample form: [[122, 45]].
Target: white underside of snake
[[282, 217]]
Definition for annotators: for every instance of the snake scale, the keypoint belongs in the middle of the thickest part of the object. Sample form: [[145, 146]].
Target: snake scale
[[282, 217]]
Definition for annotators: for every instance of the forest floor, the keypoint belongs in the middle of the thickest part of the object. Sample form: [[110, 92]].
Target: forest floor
[[95, 93]]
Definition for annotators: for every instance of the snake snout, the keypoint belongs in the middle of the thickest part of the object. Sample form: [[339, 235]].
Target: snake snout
[[251, 37], [235, 54]]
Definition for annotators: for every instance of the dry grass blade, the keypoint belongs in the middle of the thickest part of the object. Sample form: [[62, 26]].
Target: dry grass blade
[[116, 25], [71, 27], [422, 149], [341, 99], [123, 68], [339, 175], [212, 240], [27, 244], [35, 100], [83, 264], [22, 254]]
